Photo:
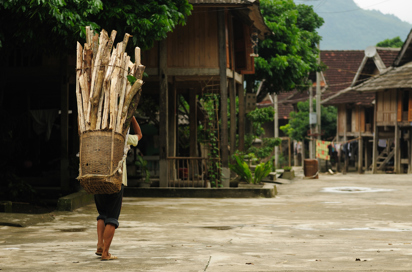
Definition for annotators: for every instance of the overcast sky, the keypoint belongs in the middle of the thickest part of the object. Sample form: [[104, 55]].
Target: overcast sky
[[400, 8]]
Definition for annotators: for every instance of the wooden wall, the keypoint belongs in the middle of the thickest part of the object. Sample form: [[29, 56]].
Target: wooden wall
[[386, 108], [195, 45], [357, 119]]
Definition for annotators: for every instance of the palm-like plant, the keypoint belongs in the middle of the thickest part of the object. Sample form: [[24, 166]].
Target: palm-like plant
[[241, 168]]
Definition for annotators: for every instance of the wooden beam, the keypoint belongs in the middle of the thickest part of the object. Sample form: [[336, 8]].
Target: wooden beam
[[223, 88], [238, 78], [193, 71], [163, 120], [241, 118]]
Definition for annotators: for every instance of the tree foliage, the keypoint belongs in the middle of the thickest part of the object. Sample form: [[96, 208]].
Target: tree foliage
[[290, 53], [58, 24], [394, 43], [299, 122], [258, 117]]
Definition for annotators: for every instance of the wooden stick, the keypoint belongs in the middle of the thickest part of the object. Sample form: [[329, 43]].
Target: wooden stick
[[114, 87], [85, 96], [99, 112], [137, 56], [125, 41], [95, 45], [135, 101], [122, 93], [95, 100], [88, 35], [79, 61], [136, 86], [87, 64], [107, 88], [97, 62]]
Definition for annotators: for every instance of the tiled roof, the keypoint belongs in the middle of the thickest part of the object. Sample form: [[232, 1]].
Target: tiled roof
[[342, 68], [388, 55], [345, 95]]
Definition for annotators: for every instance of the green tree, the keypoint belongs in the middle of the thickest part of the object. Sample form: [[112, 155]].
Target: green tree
[[394, 43], [258, 117], [289, 54], [299, 122], [57, 24]]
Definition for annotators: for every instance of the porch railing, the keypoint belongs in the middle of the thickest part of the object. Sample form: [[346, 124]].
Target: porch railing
[[187, 172]]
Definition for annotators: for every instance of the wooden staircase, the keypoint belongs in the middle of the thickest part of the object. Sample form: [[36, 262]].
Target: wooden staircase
[[384, 157]]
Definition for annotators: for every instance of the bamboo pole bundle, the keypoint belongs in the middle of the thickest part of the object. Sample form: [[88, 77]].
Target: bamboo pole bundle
[[106, 99]]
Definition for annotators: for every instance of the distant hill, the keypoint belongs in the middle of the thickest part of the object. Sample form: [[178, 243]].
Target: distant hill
[[347, 27]]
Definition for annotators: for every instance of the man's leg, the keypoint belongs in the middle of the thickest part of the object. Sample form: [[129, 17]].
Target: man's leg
[[107, 238]]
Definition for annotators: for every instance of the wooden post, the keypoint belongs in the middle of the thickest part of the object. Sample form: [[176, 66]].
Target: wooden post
[[172, 120], [375, 150], [163, 120], [276, 129], [303, 153], [339, 166], [64, 129], [223, 89], [360, 155], [233, 125], [360, 145], [241, 118], [397, 155], [193, 123], [295, 154], [410, 151], [375, 138], [367, 153]]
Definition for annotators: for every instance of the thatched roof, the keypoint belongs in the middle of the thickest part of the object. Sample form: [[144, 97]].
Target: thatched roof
[[395, 77]]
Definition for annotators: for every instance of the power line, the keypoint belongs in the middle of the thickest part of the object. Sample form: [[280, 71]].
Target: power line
[[354, 9]]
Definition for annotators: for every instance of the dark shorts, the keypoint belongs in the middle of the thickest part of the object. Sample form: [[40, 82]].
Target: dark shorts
[[109, 206]]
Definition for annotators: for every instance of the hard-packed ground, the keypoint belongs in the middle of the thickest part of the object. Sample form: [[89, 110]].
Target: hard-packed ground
[[336, 223]]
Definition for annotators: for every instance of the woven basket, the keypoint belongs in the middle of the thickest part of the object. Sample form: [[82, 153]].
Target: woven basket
[[101, 154]]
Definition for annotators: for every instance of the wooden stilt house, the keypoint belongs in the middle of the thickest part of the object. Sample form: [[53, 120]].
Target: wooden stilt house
[[355, 122], [209, 55], [392, 135]]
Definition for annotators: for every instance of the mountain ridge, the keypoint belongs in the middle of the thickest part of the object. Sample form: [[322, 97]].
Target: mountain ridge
[[348, 27]]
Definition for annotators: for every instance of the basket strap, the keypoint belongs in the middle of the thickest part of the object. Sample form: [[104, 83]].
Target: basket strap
[[111, 155]]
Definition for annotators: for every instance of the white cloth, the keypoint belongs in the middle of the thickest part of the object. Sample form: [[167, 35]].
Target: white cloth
[[130, 140]]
